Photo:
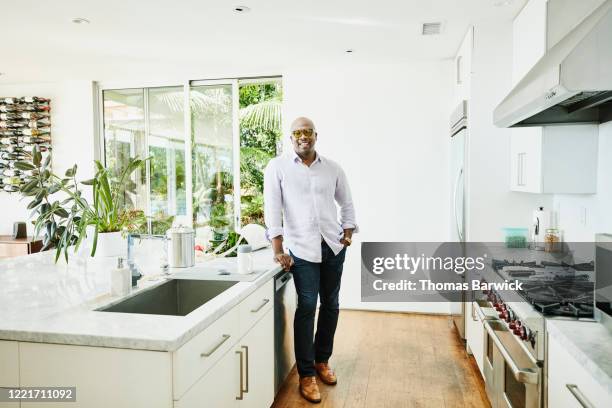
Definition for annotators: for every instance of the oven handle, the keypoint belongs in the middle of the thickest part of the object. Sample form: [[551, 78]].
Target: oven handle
[[584, 402], [527, 376]]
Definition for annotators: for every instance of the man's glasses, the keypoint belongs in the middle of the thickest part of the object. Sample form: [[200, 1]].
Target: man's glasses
[[308, 133]]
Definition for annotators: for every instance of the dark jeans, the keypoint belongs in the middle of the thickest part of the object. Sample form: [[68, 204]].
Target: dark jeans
[[311, 280]]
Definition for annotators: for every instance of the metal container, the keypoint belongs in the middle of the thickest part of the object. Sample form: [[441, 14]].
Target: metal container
[[181, 247]]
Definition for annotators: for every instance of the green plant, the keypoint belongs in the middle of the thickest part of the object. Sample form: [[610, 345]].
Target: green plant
[[230, 241], [64, 214]]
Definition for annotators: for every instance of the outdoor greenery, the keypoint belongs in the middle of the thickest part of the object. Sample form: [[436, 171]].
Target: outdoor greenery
[[260, 135], [64, 214]]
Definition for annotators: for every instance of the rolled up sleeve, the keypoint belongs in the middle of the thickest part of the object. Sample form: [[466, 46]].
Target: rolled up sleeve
[[345, 201], [273, 201]]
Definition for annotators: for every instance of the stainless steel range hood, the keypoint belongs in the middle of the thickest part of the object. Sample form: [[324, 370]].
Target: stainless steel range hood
[[572, 83]]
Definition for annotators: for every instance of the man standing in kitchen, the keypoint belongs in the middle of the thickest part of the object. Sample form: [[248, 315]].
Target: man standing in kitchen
[[301, 190]]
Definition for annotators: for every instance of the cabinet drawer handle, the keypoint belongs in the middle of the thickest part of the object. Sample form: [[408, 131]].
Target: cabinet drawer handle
[[241, 396], [258, 308], [224, 338], [584, 402], [246, 368]]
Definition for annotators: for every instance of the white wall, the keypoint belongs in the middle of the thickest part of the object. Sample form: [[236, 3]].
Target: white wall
[[581, 216], [387, 125], [490, 203], [72, 135]]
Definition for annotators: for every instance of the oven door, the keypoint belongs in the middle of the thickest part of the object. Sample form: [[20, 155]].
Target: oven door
[[517, 378]]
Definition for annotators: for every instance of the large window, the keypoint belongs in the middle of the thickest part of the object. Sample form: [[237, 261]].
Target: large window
[[205, 164]]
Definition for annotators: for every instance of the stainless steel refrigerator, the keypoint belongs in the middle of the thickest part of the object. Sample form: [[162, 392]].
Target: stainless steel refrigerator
[[458, 143]]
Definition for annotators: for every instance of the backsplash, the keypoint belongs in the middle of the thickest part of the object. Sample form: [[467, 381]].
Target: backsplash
[[582, 216]]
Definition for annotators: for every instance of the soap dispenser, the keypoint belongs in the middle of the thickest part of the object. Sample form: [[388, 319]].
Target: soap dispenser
[[121, 279]]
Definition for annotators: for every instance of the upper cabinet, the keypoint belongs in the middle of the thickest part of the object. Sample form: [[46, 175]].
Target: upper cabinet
[[554, 159], [557, 159], [529, 38], [462, 68]]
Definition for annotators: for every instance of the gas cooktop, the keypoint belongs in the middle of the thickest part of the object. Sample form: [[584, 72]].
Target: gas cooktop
[[553, 289]]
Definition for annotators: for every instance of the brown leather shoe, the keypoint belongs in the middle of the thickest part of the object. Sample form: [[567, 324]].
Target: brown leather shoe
[[309, 389], [326, 374]]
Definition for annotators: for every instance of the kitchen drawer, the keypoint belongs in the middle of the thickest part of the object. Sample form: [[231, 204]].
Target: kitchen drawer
[[197, 356], [9, 361], [564, 370], [256, 305], [218, 388]]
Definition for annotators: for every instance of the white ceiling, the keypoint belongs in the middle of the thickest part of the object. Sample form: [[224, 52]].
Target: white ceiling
[[153, 38]]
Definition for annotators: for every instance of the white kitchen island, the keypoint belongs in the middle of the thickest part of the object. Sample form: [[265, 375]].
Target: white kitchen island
[[52, 335]]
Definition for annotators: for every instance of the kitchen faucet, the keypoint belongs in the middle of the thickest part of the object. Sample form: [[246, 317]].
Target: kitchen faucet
[[134, 269]]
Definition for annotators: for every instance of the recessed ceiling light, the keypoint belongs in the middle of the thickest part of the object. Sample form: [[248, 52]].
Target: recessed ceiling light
[[80, 20], [500, 3], [241, 9], [350, 51]]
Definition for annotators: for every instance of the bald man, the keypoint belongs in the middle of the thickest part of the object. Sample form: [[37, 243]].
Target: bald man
[[300, 195]]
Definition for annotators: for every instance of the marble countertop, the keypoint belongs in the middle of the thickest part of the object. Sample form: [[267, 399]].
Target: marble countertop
[[590, 343], [41, 301]]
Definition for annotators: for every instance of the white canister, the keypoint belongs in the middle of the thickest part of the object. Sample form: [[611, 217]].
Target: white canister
[[245, 259]]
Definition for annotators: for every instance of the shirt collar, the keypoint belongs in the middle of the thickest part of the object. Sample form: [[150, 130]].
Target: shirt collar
[[297, 159]]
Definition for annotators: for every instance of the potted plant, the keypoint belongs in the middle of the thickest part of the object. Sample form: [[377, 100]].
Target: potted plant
[[65, 216]]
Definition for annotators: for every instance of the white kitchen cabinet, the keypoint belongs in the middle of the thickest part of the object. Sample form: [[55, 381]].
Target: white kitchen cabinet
[[103, 377], [198, 355], [258, 369], [540, 25], [9, 361], [252, 358], [218, 388], [564, 370], [9, 369], [474, 333], [554, 159], [204, 372], [529, 38], [463, 68]]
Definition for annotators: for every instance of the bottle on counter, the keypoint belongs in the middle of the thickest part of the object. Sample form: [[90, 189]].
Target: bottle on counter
[[34, 124], [9, 101], [33, 99], [23, 115], [35, 132], [121, 279], [8, 124]]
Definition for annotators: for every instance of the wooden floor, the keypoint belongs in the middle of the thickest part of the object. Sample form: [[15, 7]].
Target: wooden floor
[[395, 360]]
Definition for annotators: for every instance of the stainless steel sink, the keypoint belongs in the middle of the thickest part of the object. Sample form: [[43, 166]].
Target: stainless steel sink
[[176, 297]]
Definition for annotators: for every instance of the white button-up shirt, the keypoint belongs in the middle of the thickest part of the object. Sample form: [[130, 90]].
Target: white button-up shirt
[[300, 204]]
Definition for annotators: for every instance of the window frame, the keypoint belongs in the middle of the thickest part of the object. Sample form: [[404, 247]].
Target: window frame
[[100, 142]]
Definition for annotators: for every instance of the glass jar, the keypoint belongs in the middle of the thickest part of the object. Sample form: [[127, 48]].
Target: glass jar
[[552, 240]]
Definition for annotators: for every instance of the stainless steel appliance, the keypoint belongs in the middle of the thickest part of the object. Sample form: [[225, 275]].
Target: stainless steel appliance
[[603, 279], [572, 82], [284, 311], [515, 344], [513, 378], [181, 247], [458, 134]]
